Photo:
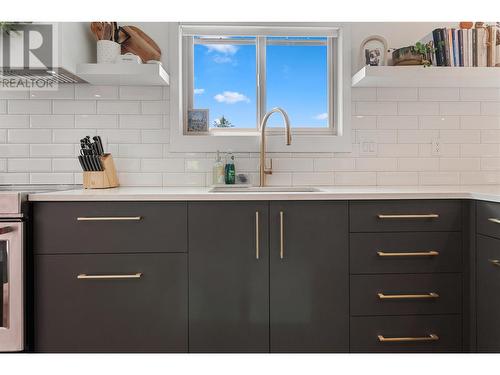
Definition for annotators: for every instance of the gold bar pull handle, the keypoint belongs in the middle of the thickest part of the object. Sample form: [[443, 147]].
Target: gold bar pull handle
[[84, 276], [109, 218], [430, 253], [408, 216], [430, 295], [282, 235], [494, 220], [431, 337], [495, 262], [257, 249]]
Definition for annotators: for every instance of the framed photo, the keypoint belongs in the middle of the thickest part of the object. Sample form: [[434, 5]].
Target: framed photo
[[197, 121], [373, 51]]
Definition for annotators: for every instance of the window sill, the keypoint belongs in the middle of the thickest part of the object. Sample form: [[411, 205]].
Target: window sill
[[249, 142]]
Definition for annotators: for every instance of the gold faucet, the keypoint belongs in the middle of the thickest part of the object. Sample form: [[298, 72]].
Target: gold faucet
[[263, 170]]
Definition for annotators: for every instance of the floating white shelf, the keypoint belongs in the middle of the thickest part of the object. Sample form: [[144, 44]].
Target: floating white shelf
[[419, 76], [123, 74]]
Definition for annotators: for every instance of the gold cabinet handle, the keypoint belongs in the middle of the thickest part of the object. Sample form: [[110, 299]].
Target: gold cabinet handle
[[84, 276], [430, 253], [282, 235], [108, 218], [495, 262], [408, 216], [257, 250], [431, 337], [5, 230], [408, 296], [494, 220]]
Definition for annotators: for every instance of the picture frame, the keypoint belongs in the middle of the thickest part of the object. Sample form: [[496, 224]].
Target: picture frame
[[197, 121], [373, 51]]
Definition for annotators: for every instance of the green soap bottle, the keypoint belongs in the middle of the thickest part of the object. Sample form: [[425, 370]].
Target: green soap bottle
[[229, 170]]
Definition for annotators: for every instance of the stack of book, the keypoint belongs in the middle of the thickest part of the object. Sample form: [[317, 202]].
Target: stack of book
[[464, 47]]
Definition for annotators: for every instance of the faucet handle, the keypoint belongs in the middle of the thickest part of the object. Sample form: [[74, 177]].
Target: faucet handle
[[270, 169]]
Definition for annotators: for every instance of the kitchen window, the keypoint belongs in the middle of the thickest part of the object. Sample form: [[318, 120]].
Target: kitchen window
[[239, 74]]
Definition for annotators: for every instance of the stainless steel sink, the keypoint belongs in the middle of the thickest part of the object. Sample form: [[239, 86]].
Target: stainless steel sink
[[265, 189]]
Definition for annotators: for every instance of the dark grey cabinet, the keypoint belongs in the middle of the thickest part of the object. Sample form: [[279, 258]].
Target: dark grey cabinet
[[228, 277], [309, 281], [488, 294], [111, 303]]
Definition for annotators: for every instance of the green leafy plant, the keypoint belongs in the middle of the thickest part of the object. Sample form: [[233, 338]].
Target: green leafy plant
[[9, 27], [223, 122], [424, 50]]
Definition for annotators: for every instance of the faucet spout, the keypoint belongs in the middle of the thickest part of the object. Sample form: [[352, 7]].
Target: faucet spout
[[288, 132]]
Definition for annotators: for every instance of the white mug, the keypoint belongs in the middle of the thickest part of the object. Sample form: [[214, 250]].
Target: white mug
[[107, 51]]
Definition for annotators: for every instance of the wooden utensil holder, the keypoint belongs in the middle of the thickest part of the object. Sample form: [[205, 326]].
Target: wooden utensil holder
[[102, 179]]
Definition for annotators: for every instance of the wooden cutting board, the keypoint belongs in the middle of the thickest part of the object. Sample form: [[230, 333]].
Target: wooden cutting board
[[140, 44]]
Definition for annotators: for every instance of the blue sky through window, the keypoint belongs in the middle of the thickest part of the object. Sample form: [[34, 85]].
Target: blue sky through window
[[225, 83]]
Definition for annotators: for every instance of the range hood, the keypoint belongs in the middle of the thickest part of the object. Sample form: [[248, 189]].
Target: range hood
[[35, 77]]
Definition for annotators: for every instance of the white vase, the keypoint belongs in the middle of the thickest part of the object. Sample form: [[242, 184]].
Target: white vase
[[107, 51]]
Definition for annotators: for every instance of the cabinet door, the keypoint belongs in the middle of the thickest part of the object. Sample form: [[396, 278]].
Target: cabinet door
[[228, 277], [488, 294], [309, 279], [111, 303]]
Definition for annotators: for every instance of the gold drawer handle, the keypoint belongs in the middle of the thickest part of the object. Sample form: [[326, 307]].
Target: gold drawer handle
[[495, 262], [84, 276], [257, 236], [109, 218], [431, 337], [282, 234], [430, 253], [410, 216], [494, 220], [408, 296]]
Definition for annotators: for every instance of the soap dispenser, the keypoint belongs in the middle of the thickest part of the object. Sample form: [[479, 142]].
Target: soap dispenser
[[230, 171], [218, 170]]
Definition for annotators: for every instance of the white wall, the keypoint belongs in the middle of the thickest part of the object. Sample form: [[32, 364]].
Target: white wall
[[39, 133]]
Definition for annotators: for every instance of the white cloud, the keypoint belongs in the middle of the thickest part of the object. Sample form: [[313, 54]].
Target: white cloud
[[222, 59], [231, 97], [199, 91], [321, 116], [226, 49]]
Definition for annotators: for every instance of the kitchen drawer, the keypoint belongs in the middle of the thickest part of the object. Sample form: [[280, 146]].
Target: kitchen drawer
[[405, 216], [488, 219], [405, 252], [109, 227], [405, 294], [395, 334], [140, 307]]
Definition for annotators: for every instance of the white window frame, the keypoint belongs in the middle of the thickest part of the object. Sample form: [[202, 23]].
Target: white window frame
[[336, 138]]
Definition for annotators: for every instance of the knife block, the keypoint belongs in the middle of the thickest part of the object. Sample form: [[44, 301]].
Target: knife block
[[102, 179]]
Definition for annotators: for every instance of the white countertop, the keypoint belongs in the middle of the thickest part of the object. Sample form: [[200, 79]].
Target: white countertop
[[479, 192]]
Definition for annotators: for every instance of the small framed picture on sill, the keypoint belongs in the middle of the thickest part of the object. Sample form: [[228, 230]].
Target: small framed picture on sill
[[197, 121]]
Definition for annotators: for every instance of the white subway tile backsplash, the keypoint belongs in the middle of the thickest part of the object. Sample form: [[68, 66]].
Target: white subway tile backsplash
[[396, 94], [96, 121], [292, 165], [66, 165], [418, 108], [397, 122], [71, 135], [14, 178], [459, 136], [490, 136], [3, 165], [140, 179], [417, 136], [480, 122], [418, 164], [490, 108], [14, 94], [52, 121], [12, 151], [49, 150], [376, 108], [28, 107], [140, 150], [141, 121], [155, 107], [397, 150], [490, 164], [363, 94], [379, 136], [118, 107], [333, 164], [445, 150], [459, 164], [63, 91], [128, 165], [459, 108], [96, 92], [74, 106], [355, 178], [480, 150], [397, 178], [375, 164], [198, 165], [183, 179], [439, 178], [14, 121], [141, 92], [480, 93], [479, 178], [30, 136], [52, 178], [279, 179], [3, 106], [121, 136], [155, 136], [439, 122], [312, 178], [438, 94], [363, 122], [29, 165], [162, 165]]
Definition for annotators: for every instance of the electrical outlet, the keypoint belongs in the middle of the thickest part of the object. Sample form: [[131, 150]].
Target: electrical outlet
[[436, 147], [368, 147]]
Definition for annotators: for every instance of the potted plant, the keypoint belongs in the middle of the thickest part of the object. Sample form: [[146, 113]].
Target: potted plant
[[418, 54]]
